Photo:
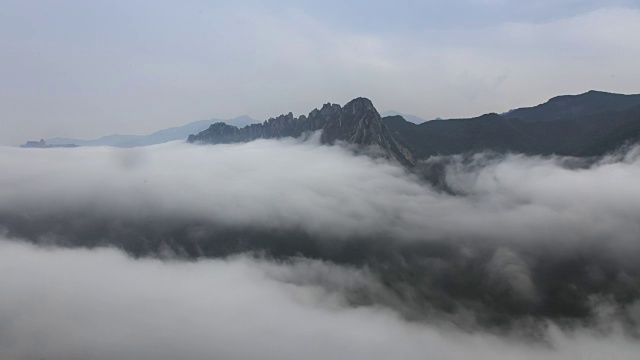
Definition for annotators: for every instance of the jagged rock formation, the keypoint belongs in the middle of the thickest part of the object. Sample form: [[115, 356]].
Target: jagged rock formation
[[358, 123]]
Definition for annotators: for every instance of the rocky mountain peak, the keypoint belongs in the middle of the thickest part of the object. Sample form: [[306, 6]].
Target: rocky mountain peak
[[360, 104], [357, 123]]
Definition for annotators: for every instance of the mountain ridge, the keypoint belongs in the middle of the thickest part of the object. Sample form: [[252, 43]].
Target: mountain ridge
[[567, 106], [587, 124], [409, 117], [588, 135], [357, 123], [156, 137]]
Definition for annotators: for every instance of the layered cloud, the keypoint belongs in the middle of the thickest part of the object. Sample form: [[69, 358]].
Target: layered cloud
[[322, 190], [501, 240], [100, 304]]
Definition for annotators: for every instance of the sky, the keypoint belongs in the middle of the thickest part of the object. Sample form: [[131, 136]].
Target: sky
[[88, 68]]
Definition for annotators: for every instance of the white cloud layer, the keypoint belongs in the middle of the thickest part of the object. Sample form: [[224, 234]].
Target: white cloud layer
[[324, 190], [527, 235], [80, 304]]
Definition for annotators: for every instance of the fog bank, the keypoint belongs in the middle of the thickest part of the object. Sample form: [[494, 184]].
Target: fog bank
[[99, 304], [504, 245]]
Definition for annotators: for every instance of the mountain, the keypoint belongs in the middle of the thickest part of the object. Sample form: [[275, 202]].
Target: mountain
[[588, 124], [595, 132], [590, 135], [456, 136], [571, 106], [358, 123], [411, 118], [158, 137]]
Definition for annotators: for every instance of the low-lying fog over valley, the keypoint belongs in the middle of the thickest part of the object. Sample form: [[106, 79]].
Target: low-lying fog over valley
[[287, 248], [307, 180]]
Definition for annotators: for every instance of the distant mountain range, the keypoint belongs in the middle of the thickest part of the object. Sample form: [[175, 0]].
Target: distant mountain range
[[43, 145], [158, 137], [588, 124], [410, 118]]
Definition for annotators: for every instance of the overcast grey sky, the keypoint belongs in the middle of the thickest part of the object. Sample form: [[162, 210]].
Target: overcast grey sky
[[84, 68]]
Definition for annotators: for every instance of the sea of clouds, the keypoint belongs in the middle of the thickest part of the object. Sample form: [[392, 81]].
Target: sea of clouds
[[292, 249]]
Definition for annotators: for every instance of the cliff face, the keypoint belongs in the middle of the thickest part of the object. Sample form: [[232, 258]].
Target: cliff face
[[358, 123]]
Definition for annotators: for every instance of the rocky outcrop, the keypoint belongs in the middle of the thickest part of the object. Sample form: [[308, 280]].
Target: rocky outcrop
[[43, 145], [357, 123]]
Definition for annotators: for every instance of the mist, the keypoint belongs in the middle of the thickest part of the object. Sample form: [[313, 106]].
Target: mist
[[100, 304], [289, 248], [327, 190]]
